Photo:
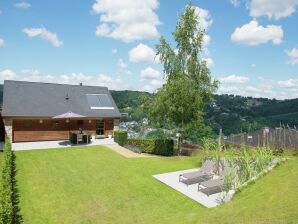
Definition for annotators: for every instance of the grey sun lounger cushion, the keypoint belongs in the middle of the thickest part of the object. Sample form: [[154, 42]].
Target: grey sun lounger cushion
[[212, 186], [215, 185], [203, 174]]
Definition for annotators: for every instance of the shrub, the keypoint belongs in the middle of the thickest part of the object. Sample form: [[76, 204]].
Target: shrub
[[120, 137], [197, 131], [156, 134], [6, 199], [163, 147], [279, 151]]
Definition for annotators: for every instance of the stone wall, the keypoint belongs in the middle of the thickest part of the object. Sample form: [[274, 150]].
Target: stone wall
[[8, 128], [116, 124]]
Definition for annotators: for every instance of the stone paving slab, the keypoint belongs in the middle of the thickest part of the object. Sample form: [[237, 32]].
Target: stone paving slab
[[172, 180], [19, 146]]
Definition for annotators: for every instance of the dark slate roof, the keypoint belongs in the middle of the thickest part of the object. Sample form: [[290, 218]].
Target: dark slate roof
[[34, 99]]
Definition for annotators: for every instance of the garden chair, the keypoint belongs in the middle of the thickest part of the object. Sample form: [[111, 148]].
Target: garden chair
[[214, 186], [203, 174]]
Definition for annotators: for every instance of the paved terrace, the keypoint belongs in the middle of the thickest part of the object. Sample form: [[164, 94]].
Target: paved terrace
[[172, 180], [18, 146]]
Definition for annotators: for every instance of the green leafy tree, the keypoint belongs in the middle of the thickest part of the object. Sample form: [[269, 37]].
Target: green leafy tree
[[189, 85]]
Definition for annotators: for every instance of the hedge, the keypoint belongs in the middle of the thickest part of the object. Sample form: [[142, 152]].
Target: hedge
[[164, 147], [6, 199], [120, 137]]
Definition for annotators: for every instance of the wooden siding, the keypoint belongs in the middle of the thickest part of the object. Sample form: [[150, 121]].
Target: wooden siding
[[50, 129], [109, 127]]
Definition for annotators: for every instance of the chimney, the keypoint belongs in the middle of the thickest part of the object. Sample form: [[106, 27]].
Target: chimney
[[81, 83]]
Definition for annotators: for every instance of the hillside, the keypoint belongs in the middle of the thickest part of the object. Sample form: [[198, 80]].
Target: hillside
[[231, 113]]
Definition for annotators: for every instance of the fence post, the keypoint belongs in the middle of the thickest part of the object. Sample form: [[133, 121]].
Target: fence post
[[220, 138]]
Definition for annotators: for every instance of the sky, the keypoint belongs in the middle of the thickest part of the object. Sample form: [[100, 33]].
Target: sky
[[250, 46]]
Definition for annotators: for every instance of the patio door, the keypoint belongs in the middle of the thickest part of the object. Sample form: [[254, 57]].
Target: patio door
[[100, 127]]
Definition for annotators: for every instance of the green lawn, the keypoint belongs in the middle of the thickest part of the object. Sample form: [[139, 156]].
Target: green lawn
[[96, 185]]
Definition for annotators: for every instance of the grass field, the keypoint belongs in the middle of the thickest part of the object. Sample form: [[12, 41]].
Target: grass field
[[96, 185]]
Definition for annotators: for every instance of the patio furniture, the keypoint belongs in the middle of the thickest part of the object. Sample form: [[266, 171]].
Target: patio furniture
[[69, 115], [203, 174], [214, 186], [100, 136], [77, 137]]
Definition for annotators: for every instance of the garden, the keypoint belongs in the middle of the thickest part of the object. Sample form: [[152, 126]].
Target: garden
[[97, 185]]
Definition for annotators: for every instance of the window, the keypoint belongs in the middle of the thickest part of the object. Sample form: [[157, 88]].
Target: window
[[80, 122], [27, 124], [100, 127], [99, 101], [55, 124]]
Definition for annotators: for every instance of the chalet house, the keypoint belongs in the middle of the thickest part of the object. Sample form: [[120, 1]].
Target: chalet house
[[30, 108]]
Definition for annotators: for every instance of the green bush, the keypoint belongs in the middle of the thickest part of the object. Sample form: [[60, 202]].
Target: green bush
[[279, 151], [197, 131], [6, 190], [163, 147], [156, 134], [120, 137]]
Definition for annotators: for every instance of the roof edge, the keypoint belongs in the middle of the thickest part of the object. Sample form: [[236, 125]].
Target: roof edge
[[51, 83]]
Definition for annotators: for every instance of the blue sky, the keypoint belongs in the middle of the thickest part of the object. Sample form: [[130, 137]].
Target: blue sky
[[251, 46]]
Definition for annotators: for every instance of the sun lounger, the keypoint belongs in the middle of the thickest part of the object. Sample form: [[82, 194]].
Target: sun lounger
[[214, 186], [203, 174]]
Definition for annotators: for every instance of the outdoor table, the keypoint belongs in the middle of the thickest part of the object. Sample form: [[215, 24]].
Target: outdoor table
[[77, 136]]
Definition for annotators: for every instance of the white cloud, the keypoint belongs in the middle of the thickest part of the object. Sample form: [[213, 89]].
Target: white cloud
[[209, 61], [108, 81], [254, 34], [1, 42], [121, 65], [272, 8], [127, 20], [23, 5], [206, 40], [205, 20], [75, 78], [235, 2], [150, 73], [99, 80], [153, 85], [229, 90], [35, 76], [262, 87], [234, 79], [293, 56], [44, 34], [142, 54], [290, 83], [7, 75], [114, 51], [72, 78], [253, 65]]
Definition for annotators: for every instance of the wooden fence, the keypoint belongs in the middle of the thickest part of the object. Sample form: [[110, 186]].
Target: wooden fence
[[278, 137]]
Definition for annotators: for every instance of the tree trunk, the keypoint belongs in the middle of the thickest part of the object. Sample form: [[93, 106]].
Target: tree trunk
[[180, 138]]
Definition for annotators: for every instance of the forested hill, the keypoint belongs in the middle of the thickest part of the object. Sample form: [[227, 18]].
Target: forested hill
[[231, 113]]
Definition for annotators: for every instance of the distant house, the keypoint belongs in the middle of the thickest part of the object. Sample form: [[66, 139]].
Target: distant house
[[29, 109]]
